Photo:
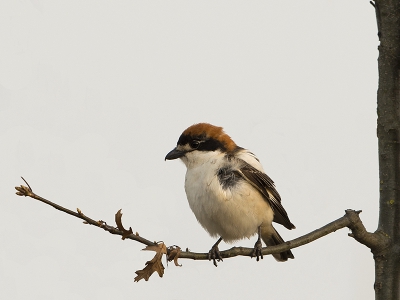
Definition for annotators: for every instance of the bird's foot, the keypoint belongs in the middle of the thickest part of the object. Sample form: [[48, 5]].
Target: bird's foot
[[214, 253], [257, 251]]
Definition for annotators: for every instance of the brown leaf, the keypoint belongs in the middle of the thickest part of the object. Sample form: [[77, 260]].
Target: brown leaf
[[159, 248], [118, 221], [153, 265], [174, 252]]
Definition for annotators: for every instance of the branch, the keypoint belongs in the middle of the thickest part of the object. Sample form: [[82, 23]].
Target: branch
[[28, 192], [375, 241]]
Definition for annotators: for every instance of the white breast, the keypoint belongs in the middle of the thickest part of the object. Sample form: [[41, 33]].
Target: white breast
[[232, 213]]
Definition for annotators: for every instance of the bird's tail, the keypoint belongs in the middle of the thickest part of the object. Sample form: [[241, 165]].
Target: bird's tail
[[272, 238]]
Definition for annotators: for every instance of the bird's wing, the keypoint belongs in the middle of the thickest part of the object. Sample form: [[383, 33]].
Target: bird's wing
[[265, 185]]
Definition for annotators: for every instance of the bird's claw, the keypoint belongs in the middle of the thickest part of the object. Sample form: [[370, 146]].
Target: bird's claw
[[214, 255], [257, 251]]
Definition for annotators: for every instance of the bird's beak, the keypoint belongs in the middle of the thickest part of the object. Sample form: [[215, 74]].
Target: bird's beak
[[174, 154]]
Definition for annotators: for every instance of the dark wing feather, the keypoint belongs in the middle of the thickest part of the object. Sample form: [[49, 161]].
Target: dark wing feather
[[265, 185]]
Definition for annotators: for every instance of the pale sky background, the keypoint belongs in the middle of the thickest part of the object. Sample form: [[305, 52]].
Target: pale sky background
[[93, 95]]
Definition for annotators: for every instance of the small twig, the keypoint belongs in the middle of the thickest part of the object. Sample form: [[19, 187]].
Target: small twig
[[27, 184], [27, 192]]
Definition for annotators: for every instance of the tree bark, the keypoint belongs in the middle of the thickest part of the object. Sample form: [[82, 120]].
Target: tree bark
[[387, 259]]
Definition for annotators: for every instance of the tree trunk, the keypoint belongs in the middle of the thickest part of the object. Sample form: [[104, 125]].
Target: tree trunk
[[387, 260]]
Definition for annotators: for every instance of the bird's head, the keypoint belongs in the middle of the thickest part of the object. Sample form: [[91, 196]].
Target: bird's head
[[200, 141]]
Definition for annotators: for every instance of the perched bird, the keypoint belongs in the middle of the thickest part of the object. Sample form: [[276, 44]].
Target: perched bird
[[228, 191]]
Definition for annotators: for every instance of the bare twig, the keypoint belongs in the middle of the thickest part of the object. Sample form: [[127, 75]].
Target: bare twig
[[374, 241], [27, 184], [351, 220], [27, 192]]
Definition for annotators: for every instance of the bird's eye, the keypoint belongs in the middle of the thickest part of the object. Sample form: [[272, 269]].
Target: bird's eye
[[194, 144]]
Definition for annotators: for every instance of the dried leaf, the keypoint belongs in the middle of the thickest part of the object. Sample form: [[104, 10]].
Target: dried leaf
[[174, 252], [153, 265], [159, 248], [118, 221]]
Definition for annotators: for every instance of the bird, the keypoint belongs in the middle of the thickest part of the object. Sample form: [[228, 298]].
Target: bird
[[228, 191]]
